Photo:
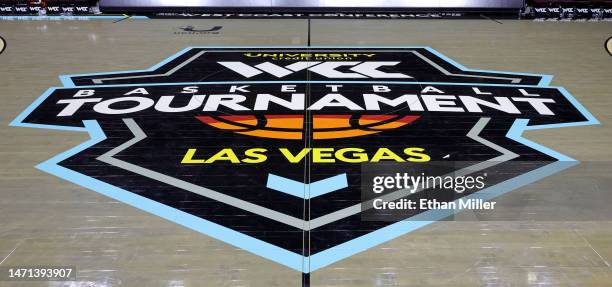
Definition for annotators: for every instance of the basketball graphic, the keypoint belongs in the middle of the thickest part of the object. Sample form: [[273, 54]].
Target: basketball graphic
[[292, 127]]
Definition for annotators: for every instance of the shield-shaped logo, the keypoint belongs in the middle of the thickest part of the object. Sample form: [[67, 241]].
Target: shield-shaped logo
[[266, 148]]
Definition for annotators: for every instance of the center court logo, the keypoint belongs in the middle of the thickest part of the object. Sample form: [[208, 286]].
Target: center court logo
[[221, 140]]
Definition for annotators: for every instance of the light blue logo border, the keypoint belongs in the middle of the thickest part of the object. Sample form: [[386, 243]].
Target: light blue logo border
[[279, 255]]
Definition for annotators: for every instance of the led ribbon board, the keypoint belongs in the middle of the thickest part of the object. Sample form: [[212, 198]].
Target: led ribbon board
[[263, 147]]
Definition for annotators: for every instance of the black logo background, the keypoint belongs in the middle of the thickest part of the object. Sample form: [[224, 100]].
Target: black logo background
[[169, 135]]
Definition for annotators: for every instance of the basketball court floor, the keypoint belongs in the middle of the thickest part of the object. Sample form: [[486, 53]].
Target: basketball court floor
[[556, 231]]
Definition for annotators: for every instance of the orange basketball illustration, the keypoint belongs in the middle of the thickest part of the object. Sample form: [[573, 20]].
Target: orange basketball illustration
[[292, 127]]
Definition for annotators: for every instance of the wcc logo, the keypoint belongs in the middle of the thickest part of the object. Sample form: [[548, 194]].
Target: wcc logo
[[263, 148], [359, 70]]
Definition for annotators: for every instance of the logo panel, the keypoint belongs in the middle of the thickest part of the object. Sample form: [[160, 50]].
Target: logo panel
[[264, 147]]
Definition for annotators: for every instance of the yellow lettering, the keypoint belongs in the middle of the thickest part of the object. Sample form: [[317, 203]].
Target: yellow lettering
[[416, 154], [357, 155], [384, 153], [188, 158], [255, 155], [323, 155], [224, 154], [297, 158]]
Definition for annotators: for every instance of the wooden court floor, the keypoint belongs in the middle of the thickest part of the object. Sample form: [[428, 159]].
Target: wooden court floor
[[45, 220]]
